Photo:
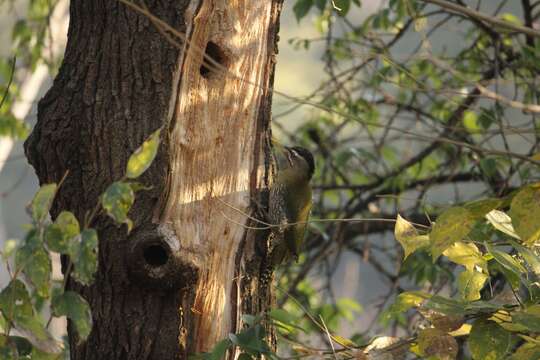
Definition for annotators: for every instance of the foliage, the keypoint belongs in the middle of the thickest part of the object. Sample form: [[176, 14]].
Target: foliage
[[32, 290], [436, 129], [250, 341], [30, 48]]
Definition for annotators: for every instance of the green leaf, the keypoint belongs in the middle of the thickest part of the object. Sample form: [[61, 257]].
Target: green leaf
[[6, 350], [282, 315], [42, 202], [219, 350], [32, 238], [436, 343], [507, 261], [525, 214], [489, 341], [408, 300], [60, 236], [342, 6], [452, 226], [481, 307], [301, 8], [12, 127], [408, 236], [502, 222], [117, 200], [251, 340], [513, 279], [530, 257], [321, 4], [85, 258], [480, 208], [349, 308], [470, 121], [470, 283], [527, 351], [40, 355], [32, 328], [530, 318], [142, 158], [10, 246], [489, 167], [466, 254], [511, 18], [35, 264], [486, 118], [445, 306], [24, 347], [284, 320], [76, 308], [15, 300]]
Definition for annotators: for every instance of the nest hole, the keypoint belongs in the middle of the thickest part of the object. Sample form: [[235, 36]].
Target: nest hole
[[214, 58], [155, 255]]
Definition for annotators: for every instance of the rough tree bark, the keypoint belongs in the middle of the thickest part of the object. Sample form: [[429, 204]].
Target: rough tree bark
[[186, 273]]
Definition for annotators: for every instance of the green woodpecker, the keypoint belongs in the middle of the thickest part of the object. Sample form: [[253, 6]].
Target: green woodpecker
[[290, 201]]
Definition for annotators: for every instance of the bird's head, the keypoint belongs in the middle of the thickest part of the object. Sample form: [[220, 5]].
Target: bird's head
[[302, 159]]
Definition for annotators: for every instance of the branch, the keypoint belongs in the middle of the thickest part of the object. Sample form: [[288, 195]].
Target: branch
[[481, 16], [440, 179], [527, 14], [529, 108]]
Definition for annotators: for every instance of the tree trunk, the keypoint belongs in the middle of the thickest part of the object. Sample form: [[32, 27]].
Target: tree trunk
[[189, 269]]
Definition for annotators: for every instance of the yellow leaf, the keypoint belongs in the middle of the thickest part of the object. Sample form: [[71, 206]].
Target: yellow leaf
[[408, 236], [465, 329], [343, 341], [410, 299], [470, 121], [466, 254], [470, 283], [142, 158], [525, 214]]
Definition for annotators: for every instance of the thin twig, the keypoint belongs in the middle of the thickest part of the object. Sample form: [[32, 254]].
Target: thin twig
[[11, 75]]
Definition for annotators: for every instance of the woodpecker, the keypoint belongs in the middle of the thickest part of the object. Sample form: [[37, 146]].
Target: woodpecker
[[290, 201]]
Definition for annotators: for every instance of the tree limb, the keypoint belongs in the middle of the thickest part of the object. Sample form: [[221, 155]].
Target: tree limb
[[481, 16]]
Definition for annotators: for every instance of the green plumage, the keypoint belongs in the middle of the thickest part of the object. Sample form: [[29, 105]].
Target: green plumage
[[290, 202]]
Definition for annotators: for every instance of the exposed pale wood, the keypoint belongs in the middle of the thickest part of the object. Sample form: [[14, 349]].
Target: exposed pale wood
[[213, 136]]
